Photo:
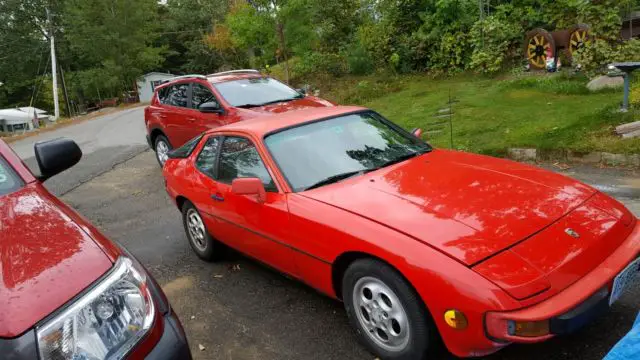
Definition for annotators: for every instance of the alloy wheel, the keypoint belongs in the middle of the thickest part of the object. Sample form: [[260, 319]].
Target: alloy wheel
[[162, 151], [381, 314], [197, 231]]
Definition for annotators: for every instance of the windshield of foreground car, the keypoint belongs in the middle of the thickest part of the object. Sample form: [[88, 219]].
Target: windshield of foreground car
[[255, 92], [332, 150], [9, 180]]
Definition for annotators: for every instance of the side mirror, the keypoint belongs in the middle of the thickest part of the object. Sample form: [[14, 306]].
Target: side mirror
[[249, 186], [301, 91], [211, 107], [417, 132], [55, 156]]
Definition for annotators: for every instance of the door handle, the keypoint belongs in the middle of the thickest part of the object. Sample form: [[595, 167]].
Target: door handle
[[217, 197], [162, 115], [191, 119]]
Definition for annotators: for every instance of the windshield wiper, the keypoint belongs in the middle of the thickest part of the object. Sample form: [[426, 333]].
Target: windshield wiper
[[281, 100], [398, 160], [246, 106], [335, 178]]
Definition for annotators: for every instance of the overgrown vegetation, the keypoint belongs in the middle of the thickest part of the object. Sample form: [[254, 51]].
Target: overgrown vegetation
[[104, 46], [547, 112]]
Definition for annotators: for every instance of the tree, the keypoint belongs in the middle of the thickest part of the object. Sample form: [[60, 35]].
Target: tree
[[114, 39]]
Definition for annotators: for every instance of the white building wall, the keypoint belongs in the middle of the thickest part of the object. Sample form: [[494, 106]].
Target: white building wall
[[147, 84]]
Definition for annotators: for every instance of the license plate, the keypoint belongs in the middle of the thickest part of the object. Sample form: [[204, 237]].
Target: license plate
[[623, 281]]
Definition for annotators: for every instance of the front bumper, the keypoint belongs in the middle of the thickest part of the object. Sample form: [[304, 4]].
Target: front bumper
[[173, 344], [574, 306]]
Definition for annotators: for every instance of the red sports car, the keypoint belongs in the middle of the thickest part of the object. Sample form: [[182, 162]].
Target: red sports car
[[189, 105], [418, 243], [66, 291]]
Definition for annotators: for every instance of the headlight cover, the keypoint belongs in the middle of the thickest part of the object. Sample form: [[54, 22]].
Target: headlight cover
[[106, 322]]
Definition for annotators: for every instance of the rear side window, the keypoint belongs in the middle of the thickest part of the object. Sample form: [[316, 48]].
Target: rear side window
[[162, 95], [9, 180], [177, 95], [185, 150]]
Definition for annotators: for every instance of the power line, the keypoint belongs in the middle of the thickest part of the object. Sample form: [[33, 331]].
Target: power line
[[33, 93]]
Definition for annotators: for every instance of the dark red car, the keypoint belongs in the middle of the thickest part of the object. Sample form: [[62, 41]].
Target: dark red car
[[419, 243], [188, 105], [67, 292]]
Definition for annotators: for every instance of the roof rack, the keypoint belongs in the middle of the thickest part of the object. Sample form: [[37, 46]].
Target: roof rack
[[197, 76], [241, 71]]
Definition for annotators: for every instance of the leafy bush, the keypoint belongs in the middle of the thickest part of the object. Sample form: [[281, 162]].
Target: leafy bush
[[315, 62], [595, 57], [359, 60], [492, 40]]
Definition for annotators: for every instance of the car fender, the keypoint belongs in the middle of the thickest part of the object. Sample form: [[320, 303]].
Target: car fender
[[442, 282]]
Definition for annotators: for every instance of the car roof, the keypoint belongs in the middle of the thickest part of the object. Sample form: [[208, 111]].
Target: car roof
[[262, 125], [215, 79], [231, 77]]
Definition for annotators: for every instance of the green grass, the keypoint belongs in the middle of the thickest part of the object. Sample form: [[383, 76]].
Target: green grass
[[491, 115]]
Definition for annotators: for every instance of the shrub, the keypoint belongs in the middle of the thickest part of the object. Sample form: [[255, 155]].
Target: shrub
[[359, 60], [492, 40], [595, 57], [315, 62]]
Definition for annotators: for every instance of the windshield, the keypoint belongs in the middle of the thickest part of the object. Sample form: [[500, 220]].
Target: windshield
[[9, 180], [255, 92], [331, 150]]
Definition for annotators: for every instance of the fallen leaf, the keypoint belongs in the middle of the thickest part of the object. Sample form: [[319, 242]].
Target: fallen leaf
[[562, 166], [217, 276], [201, 347], [192, 317]]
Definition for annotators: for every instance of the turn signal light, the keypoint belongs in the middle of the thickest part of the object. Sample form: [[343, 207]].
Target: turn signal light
[[456, 319], [528, 328]]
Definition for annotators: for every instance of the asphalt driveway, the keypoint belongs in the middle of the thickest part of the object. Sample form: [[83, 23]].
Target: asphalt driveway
[[239, 309]]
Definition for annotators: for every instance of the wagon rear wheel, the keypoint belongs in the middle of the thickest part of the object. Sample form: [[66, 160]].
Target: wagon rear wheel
[[539, 46], [578, 38]]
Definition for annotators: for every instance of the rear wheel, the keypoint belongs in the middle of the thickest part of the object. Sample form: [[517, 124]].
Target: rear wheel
[[204, 245], [162, 148], [388, 315]]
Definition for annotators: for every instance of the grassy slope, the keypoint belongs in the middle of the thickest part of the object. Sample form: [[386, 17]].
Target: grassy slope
[[541, 111]]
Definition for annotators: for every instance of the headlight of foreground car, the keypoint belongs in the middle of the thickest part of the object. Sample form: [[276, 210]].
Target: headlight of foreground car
[[106, 322]]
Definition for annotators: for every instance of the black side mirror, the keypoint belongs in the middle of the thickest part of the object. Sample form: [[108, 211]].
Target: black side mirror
[[211, 107], [302, 91], [55, 156]]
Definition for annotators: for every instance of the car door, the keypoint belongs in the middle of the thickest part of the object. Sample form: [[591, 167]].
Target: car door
[[176, 113], [257, 229], [201, 94]]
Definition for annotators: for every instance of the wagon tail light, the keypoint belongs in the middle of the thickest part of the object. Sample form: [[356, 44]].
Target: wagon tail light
[[500, 327]]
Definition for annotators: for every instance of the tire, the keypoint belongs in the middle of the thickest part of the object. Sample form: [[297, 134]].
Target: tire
[[203, 244], [161, 146], [408, 327]]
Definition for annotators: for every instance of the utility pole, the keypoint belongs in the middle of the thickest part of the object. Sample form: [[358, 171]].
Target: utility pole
[[54, 69]]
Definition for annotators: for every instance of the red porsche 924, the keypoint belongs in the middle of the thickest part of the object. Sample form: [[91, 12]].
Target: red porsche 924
[[418, 243]]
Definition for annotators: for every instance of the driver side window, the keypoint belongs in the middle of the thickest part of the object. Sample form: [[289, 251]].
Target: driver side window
[[200, 95], [239, 158]]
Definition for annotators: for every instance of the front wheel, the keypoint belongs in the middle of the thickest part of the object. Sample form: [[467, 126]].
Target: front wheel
[[388, 315], [162, 148]]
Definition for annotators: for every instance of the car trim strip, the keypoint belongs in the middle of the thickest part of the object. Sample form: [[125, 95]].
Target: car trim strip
[[270, 239]]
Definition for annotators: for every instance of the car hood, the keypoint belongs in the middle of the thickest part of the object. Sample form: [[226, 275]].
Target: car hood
[[298, 104], [45, 259], [467, 206]]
